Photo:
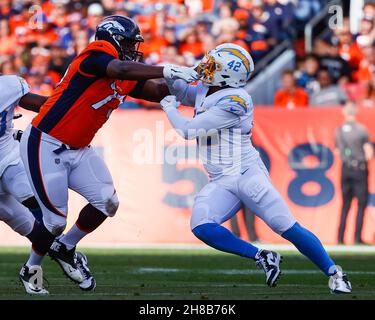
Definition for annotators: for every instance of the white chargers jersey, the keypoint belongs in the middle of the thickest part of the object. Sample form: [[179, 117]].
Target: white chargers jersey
[[222, 125], [12, 89]]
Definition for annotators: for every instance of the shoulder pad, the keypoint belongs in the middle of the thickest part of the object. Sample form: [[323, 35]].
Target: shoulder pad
[[235, 103], [25, 88], [101, 46], [13, 88]]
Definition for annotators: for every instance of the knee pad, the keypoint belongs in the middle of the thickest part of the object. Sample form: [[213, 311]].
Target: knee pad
[[203, 215], [112, 205], [54, 224], [17, 183], [109, 203], [22, 226], [20, 222], [281, 223]]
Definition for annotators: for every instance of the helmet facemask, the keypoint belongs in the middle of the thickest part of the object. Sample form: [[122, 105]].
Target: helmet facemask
[[207, 68], [129, 48]]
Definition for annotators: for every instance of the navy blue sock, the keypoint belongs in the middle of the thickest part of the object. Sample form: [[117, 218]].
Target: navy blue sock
[[310, 246], [37, 213], [33, 205], [222, 239]]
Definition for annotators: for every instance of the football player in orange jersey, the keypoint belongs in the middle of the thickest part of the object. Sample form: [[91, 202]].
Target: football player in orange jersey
[[55, 147]]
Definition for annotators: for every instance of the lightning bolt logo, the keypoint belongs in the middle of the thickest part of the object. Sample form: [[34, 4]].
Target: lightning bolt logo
[[239, 54], [237, 100]]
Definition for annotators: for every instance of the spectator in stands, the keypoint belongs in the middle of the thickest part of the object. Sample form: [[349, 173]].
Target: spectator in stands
[[7, 40], [367, 29], [209, 43], [306, 77], [337, 67], [68, 34], [109, 6], [366, 69], [190, 43], [37, 81], [263, 33], [170, 36], [349, 49], [169, 54], [7, 67], [95, 14], [304, 11], [192, 27], [283, 15], [369, 9], [59, 61], [290, 96], [328, 94], [226, 24], [242, 16]]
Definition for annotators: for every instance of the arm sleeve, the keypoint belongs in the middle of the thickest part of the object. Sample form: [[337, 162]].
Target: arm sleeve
[[184, 92], [213, 119], [96, 64]]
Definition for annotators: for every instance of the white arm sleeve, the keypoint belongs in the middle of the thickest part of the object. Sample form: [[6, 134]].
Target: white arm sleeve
[[213, 119], [184, 92]]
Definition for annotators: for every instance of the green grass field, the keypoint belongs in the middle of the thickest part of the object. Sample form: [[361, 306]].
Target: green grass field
[[188, 274]]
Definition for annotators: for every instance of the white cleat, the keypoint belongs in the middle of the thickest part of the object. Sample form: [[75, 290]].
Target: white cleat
[[88, 283], [32, 280], [270, 261], [339, 283]]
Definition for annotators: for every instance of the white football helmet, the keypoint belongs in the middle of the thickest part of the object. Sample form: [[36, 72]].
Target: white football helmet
[[226, 65]]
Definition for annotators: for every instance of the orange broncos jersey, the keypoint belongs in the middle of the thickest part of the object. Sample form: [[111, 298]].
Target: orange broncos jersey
[[82, 103]]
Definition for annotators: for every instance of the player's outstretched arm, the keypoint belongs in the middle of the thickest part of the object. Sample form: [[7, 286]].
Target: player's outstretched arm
[[130, 70], [155, 90], [202, 124], [32, 101]]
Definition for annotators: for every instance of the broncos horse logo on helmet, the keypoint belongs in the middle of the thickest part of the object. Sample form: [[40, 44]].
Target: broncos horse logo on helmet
[[124, 34]]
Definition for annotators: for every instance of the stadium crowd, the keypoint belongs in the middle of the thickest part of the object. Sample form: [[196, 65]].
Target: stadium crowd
[[340, 68], [39, 38]]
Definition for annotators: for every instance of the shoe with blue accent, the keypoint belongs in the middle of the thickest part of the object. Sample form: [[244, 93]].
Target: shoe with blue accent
[[88, 283], [270, 261], [339, 283]]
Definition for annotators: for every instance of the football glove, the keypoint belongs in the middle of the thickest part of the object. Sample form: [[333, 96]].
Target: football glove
[[173, 72], [17, 134], [169, 102]]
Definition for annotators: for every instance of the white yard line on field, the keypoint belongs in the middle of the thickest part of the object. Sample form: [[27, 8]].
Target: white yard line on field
[[276, 247], [182, 246], [235, 271]]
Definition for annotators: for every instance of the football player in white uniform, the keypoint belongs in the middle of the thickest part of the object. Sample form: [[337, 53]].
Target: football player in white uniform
[[18, 206], [222, 126]]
